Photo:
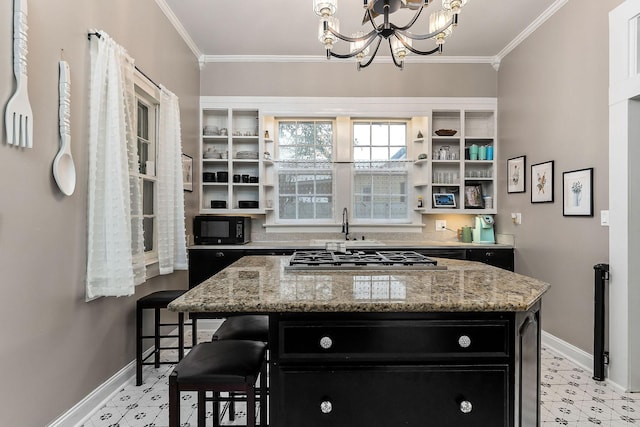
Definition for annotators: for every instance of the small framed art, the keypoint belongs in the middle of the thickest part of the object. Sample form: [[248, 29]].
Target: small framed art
[[516, 174], [542, 182], [577, 192], [187, 172]]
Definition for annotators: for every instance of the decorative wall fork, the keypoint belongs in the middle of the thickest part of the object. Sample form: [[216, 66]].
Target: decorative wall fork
[[18, 115]]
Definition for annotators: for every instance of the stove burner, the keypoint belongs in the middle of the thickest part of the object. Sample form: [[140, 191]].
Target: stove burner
[[316, 259]]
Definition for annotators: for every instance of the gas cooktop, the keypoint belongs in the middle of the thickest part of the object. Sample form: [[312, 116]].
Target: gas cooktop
[[360, 260]]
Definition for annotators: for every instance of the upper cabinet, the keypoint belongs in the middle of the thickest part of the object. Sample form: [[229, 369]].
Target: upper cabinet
[[455, 169], [452, 144], [231, 157]]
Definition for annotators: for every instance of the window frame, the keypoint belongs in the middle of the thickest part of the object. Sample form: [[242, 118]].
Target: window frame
[[302, 170], [149, 95], [404, 170]]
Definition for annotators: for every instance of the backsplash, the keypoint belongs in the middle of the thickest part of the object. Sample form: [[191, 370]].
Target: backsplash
[[454, 222]]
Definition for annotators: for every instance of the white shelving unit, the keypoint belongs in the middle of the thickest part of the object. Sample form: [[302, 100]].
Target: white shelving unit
[[231, 161], [455, 171]]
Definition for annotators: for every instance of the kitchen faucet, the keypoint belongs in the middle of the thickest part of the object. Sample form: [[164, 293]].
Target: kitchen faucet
[[345, 223]]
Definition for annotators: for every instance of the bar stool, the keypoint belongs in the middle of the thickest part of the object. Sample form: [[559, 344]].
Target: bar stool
[[245, 327], [157, 301], [218, 366]]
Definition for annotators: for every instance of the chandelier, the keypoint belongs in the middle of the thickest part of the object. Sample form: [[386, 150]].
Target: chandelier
[[400, 39]]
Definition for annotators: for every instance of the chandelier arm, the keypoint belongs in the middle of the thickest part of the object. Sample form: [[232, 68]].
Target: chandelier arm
[[420, 52], [375, 51], [370, 35], [370, 16], [395, 61], [423, 36], [413, 20]]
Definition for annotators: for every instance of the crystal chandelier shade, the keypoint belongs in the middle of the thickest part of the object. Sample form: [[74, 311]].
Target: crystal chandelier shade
[[399, 38]]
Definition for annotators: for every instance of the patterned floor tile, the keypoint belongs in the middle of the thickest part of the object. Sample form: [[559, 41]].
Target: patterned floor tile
[[570, 397]]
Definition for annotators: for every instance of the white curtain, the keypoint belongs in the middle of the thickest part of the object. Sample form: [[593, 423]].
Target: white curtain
[[115, 255], [172, 250]]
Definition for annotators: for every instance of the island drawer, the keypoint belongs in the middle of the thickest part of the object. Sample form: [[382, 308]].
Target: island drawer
[[392, 340], [457, 396]]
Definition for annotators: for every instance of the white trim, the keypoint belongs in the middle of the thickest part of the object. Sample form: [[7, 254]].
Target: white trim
[[354, 107], [548, 13], [576, 356], [321, 58], [83, 410], [173, 19]]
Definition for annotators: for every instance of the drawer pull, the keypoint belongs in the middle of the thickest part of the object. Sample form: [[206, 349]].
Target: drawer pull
[[465, 406], [326, 407], [464, 341], [326, 343]]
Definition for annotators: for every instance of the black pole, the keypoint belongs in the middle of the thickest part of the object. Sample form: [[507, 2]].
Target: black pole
[[601, 274]]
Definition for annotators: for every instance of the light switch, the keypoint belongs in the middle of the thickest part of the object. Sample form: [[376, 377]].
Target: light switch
[[516, 218], [604, 218]]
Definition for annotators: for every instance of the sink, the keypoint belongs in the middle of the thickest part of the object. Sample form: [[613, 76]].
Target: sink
[[349, 243]]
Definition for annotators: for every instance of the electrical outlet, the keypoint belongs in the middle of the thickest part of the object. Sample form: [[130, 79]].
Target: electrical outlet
[[441, 225]]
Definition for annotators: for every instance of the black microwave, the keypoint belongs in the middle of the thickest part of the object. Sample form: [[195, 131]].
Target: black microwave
[[221, 230]]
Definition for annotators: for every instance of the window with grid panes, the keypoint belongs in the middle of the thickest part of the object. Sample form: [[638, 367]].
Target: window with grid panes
[[380, 171], [305, 170], [147, 110]]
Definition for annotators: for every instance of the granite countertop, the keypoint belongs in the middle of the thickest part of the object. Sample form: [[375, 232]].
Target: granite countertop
[[370, 244], [260, 284]]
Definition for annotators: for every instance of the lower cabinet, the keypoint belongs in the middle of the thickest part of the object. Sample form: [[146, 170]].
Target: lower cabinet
[[502, 258], [405, 369], [204, 263], [343, 396]]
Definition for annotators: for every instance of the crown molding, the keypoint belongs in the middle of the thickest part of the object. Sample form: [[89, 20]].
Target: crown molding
[[321, 58], [548, 13], [179, 28], [494, 61]]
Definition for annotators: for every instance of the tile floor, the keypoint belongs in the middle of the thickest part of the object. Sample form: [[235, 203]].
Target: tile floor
[[569, 398]]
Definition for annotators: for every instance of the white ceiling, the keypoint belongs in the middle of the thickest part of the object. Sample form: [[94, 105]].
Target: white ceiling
[[228, 30]]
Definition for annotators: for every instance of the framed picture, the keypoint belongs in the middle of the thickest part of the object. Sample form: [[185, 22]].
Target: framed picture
[[516, 174], [542, 182], [187, 172], [577, 192]]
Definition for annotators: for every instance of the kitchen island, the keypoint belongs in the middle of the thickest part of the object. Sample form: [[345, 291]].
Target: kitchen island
[[454, 347]]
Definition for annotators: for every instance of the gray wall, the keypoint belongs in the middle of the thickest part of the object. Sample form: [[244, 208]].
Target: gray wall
[[57, 348], [333, 78], [553, 105]]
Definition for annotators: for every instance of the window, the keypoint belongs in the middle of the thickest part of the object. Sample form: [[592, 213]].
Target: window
[[305, 174], [147, 112], [380, 171]]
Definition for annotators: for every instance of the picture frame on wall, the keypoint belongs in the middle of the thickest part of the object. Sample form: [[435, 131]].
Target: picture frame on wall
[[542, 182], [187, 172], [516, 174], [577, 192]]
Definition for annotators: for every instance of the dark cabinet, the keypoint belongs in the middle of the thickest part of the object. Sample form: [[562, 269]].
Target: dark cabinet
[[204, 263], [397, 369], [344, 396], [207, 262], [502, 258]]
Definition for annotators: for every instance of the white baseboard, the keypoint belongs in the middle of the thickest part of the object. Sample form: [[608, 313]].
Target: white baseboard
[[577, 356], [84, 409]]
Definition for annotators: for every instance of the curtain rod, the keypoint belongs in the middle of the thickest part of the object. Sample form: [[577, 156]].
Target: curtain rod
[[98, 35]]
